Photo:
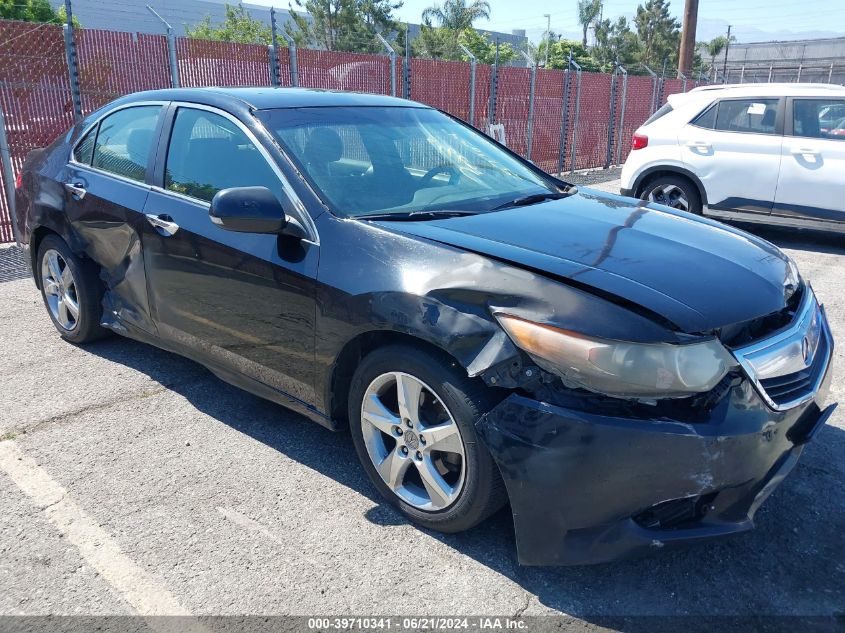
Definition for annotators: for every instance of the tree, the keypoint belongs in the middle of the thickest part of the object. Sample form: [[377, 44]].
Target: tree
[[34, 11], [479, 44], [716, 46], [659, 33], [454, 27], [615, 41], [456, 14], [588, 11], [559, 54], [238, 26], [343, 25]]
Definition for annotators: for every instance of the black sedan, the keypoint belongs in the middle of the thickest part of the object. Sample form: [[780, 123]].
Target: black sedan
[[625, 375]]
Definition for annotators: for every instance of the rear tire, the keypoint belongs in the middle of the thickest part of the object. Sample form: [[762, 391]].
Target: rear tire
[[71, 290], [468, 486], [673, 191]]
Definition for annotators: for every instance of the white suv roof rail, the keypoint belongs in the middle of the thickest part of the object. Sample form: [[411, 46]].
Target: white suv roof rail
[[760, 86]]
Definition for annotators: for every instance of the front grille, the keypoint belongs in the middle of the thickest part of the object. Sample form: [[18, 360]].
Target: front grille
[[788, 367], [794, 386]]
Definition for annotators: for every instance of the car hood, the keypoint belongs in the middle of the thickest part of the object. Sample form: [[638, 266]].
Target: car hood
[[696, 273]]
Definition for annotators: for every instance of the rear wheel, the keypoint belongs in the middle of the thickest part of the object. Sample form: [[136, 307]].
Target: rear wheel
[[71, 290], [673, 191], [412, 416]]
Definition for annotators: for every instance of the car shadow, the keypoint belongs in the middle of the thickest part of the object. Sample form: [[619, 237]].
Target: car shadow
[[790, 563], [796, 239]]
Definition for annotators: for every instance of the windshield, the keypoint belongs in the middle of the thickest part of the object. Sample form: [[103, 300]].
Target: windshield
[[376, 160]]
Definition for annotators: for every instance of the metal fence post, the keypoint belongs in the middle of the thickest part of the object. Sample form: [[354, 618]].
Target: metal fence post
[[294, 68], [406, 64], [494, 80], [800, 67], [742, 74], [611, 119], [622, 113], [472, 65], [532, 87], [171, 49], [564, 117], [392, 54], [275, 79], [653, 88], [72, 63], [771, 68], [830, 74], [574, 154], [8, 175]]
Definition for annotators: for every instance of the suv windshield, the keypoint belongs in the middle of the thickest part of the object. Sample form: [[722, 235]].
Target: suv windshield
[[367, 160]]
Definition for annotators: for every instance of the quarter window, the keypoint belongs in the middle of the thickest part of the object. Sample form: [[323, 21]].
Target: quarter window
[[124, 141], [707, 119], [819, 118], [85, 149], [209, 152], [757, 116]]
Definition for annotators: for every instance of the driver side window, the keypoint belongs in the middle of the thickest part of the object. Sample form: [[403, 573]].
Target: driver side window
[[209, 152], [819, 118]]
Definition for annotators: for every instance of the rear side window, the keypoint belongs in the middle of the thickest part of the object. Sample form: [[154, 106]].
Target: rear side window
[[707, 119], [819, 118], [757, 116], [124, 141], [84, 151], [208, 152], [661, 112]]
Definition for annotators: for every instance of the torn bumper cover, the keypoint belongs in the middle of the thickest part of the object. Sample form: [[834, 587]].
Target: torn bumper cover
[[588, 488]]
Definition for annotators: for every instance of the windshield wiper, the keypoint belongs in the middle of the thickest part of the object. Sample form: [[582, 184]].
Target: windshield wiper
[[534, 198], [416, 215]]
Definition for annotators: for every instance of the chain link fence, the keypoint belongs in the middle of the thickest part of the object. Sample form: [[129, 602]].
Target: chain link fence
[[563, 120]]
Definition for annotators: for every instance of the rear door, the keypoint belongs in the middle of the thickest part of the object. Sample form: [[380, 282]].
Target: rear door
[[240, 302], [812, 169], [734, 147], [106, 188]]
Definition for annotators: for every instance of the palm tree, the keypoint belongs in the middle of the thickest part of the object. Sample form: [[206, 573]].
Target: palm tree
[[457, 14], [588, 11]]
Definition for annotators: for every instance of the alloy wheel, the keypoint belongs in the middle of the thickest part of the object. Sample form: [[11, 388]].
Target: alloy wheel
[[60, 289], [413, 441], [670, 196]]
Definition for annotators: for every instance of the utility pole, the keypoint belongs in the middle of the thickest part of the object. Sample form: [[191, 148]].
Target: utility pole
[[725, 65], [548, 17], [688, 37]]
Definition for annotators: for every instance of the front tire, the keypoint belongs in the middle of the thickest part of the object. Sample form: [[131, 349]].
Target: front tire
[[673, 191], [412, 416], [71, 290]]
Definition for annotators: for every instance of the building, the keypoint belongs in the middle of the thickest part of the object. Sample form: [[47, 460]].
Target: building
[[818, 61]]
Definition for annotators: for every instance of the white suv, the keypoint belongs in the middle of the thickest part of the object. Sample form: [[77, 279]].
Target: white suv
[[771, 153]]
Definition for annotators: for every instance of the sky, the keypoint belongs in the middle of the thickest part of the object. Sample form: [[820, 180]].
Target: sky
[[751, 20]]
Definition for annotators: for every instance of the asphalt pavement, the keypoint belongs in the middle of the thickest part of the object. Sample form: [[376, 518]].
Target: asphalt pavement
[[134, 481]]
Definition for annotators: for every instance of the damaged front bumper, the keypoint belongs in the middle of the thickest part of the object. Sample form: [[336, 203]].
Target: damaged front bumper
[[588, 488]]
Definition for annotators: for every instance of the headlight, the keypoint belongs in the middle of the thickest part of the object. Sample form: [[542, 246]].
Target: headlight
[[618, 368]]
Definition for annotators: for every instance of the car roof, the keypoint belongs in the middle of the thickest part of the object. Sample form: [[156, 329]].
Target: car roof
[[773, 89], [267, 97]]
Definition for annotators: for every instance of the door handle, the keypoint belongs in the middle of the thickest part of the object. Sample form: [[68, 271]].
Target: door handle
[[164, 224], [76, 188], [801, 151], [699, 145]]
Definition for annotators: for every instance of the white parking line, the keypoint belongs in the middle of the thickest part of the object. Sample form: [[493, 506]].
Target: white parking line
[[146, 596]]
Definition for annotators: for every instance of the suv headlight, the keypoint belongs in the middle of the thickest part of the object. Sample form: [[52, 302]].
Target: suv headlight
[[619, 368]]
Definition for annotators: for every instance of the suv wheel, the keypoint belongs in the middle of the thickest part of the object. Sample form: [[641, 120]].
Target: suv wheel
[[673, 191], [412, 417]]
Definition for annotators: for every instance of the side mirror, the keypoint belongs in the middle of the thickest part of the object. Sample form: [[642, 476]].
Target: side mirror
[[252, 210]]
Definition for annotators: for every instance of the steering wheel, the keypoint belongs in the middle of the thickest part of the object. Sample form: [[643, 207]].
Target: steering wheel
[[454, 175]]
